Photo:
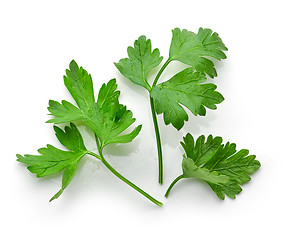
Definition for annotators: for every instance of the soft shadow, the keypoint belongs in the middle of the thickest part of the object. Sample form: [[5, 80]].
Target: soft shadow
[[122, 149], [194, 190], [196, 123]]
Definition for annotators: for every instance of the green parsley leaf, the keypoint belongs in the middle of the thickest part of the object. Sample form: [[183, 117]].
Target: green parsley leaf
[[201, 150], [141, 60], [106, 117], [237, 165], [193, 49], [80, 86], [221, 166], [184, 88], [64, 112], [53, 160]]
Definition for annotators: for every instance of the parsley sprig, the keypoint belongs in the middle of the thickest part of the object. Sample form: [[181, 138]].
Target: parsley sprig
[[221, 166], [106, 117], [187, 87]]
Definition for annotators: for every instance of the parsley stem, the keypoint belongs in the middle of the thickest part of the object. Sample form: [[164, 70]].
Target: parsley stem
[[158, 139], [172, 185], [156, 127], [161, 71], [117, 174]]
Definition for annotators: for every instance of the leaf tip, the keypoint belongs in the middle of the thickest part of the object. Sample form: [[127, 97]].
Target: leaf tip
[[19, 156], [139, 127], [49, 121], [73, 62], [59, 193]]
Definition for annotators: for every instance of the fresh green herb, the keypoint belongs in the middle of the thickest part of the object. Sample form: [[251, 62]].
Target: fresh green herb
[[105, 117], [185, 88], [219, 165], [53, 160]]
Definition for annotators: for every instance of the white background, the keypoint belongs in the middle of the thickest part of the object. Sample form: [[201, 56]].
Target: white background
[[38, 39]]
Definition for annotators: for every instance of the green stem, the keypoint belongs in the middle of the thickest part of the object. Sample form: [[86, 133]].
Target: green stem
[[156, 127], [158, 139], [172, 185], [117, 174], [161, 71]]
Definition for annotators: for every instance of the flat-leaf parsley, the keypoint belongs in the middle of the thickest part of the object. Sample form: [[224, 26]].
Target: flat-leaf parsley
[[221, 166], [183, 89], [106, 117]]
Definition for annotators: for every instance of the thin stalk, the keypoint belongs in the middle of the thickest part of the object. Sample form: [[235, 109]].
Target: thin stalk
[[172, 185], [117, 174], [161, 71], [158, 140], [156, 127]]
